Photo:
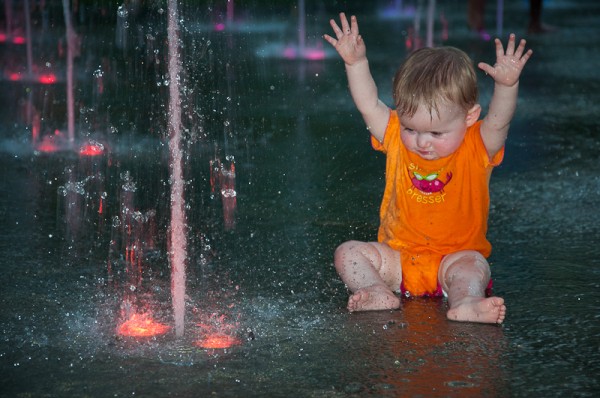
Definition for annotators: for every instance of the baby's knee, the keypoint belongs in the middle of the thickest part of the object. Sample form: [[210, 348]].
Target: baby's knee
[[472, 261], [346, 251]]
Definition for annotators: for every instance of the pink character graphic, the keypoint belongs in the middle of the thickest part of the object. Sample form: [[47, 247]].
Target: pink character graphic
[[430, 183]]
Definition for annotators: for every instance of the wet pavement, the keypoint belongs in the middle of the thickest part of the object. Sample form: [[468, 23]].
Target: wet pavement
[[306, 180]]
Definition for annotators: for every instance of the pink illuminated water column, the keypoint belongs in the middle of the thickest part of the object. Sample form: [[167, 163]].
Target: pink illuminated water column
[[71, 38], [178, 241]]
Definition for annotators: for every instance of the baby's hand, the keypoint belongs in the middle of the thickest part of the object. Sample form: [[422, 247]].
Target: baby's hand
[[508, 66], [349, 43]]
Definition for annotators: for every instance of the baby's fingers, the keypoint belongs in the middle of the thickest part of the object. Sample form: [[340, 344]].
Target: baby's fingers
[[336, 29], [510, 47], [487, 68], [521, 54], [499, 48], [330, 39], [344, 21], [354, 25], [526, 56]]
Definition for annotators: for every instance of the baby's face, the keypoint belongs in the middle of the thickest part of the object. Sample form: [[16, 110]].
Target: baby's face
[[434, 136]]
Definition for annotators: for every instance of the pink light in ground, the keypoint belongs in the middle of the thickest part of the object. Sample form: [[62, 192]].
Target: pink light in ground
[[19, 40], [310, 53], [91, 148], [51, 143], [314, 54], [14, 76], [48, 78], [217, 341], [141, 325], [47, 147], [217, 333], [15, 39]]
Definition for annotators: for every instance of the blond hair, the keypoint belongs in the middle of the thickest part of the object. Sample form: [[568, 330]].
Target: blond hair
[[433, 76]]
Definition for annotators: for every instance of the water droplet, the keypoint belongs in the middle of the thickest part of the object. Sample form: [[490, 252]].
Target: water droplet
[[122, 11], [229, 193]]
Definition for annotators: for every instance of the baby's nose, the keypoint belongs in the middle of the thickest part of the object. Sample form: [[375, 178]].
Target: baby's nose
[[423, 140]]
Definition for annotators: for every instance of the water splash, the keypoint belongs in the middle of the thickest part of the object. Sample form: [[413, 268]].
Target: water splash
[[141, 325], [178, 247], [222, 178]]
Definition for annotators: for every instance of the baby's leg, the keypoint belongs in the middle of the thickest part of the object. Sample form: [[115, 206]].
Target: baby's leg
[[372, 272], [464, 276]]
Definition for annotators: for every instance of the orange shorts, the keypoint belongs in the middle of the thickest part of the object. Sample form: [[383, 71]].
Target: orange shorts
[[420, 275]]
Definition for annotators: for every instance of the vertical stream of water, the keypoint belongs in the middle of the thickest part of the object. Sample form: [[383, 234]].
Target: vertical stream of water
[[178, 240]]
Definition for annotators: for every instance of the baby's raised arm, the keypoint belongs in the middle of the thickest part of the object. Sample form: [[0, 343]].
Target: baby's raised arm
[[351, 47], [505, 72]]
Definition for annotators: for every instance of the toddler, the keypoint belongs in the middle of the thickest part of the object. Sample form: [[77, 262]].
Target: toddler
[[439, 159]]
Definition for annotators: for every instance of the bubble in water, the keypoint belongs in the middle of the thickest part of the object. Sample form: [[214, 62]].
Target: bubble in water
[[97, 144], [98, 73], [122, 11], [138, 216], [128, 183], [229, 193]]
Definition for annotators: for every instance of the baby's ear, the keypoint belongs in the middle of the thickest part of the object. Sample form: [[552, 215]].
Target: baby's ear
[[473, 115]]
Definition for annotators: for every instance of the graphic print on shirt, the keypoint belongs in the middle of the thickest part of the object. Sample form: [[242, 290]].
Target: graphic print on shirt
[[427, 187]]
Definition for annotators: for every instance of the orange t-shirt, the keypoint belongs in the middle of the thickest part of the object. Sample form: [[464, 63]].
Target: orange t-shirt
[[431, 208]]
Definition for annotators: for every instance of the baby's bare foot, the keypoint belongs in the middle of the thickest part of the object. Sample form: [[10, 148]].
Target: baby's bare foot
[[478, 309], [372, 298]]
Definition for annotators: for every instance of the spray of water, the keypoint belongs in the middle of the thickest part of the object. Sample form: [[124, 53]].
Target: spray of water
[[178, 239], [70, 55]]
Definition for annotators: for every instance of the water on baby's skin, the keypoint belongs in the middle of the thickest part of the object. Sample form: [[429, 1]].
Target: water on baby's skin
[[278, 171]]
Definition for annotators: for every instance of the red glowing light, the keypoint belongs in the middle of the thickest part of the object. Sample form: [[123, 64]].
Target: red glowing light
[[2, 37], [18, 40], [219, 27], [289, 52], [141, 325], [217, 341], [14, 76], [49, 78], [315, 54], [91, 149], [47, 147]]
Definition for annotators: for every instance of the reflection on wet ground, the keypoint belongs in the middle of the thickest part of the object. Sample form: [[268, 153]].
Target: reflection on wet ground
[[75, 229]]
